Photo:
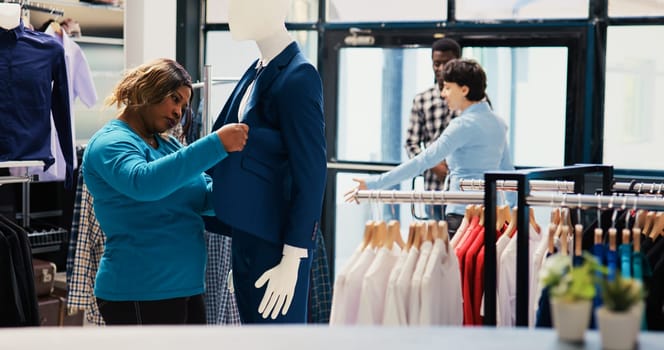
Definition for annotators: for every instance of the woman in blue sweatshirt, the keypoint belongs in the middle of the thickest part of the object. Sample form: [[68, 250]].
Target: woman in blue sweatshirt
[[149, 194]]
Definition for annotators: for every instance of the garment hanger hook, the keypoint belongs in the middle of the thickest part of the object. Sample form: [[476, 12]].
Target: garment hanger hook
[[578, 209], [394, 214], [614, 216]]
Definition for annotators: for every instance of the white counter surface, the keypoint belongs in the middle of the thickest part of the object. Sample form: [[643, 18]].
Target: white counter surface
[[295, 338]]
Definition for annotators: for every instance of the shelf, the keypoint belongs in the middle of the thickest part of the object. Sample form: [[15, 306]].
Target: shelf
[[21, 163], [99, 40]]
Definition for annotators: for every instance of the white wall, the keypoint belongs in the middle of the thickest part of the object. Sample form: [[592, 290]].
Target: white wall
[[149, 30]]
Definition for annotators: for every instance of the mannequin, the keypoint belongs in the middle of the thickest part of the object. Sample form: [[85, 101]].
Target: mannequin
[[10, 15], [269, 197]]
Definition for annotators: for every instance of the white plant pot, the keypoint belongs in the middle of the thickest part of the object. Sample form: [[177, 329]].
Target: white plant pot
[[571, 319], [619, 330]]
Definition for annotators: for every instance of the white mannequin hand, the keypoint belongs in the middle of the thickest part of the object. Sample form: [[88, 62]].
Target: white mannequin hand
[[282, 280]]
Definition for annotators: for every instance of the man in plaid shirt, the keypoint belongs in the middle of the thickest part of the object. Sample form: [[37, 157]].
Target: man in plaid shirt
[[428, 118]]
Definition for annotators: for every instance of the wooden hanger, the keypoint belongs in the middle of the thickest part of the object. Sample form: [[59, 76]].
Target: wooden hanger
[[599, 235], [640, 219], [511, 227], [444, 233], [394, 235], [502, 216], [553, 227], [432, 231], [533, 222], [657, 226], [420, 233], [57, 29], [612, 239], [379, 235], [564, 246], [649, 220], [578, 239], [636, 239], [368, 234], [626, 236], [480, 212], [411, 235]]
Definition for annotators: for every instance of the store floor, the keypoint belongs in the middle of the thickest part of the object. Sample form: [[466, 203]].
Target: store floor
[[296, 338]]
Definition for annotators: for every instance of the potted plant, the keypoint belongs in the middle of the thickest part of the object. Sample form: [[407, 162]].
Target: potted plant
[[620, 317], [571, 290]]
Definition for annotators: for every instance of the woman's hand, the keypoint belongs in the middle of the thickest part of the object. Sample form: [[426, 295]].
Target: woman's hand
[[233, 136], [350, 195]]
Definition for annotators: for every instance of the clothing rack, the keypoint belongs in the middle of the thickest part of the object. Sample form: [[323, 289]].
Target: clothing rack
[[576, 173], [506, 185], [564, 186], [25, 180], [523, 180], [206, 85], [26, 5]]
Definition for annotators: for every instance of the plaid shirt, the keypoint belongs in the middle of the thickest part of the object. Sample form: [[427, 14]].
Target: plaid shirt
[[320, 287], [89, 247], [220, 304], [429, 116]]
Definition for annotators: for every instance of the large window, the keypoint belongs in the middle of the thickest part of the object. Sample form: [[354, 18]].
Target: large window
[[633, 104], [301, 11], [527, 87], [386, 10], [106, 62], [632, 8], [528, 9]]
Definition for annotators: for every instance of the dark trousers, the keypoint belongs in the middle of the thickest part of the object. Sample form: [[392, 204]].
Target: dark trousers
[[453, 223], [253, 256], [186, 310]]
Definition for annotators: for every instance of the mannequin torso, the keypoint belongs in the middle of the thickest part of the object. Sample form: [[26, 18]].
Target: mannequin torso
[[284, 108], [10, 15]]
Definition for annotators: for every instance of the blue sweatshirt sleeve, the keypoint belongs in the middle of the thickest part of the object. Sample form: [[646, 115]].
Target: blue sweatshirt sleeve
[[120, 161]]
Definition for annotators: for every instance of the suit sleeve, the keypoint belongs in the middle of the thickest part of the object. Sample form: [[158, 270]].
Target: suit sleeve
[[303, 127]]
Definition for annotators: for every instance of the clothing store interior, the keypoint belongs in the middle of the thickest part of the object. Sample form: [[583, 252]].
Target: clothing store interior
[[358, 173]]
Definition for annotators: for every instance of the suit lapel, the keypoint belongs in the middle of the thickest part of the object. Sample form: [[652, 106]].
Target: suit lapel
[[271, 72], [238, 92]]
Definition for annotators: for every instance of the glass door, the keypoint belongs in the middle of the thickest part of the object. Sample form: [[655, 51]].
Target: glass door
[[369, 90]]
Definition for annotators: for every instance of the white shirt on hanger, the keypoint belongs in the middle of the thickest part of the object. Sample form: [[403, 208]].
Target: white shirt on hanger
[[507, 285], [402, 289], [374, 286], [354, 285], [338, 311], [392, 302], [414, 297], [441, 300]]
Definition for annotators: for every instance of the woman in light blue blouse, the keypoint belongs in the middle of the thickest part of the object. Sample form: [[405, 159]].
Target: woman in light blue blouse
[[475, 142]]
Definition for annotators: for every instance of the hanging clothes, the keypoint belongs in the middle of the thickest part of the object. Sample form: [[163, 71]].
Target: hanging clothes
[[220, 303], [18, 299], [35, 85], [81, 86], [89, 243]]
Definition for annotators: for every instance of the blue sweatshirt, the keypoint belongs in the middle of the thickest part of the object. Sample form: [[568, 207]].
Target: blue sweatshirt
[[149, 203], [474, 142]]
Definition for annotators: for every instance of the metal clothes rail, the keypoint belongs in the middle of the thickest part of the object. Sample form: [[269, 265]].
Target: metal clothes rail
[[564, 186], [25, 180]]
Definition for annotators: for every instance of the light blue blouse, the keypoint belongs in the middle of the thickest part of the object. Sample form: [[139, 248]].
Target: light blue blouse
[[475, 142]]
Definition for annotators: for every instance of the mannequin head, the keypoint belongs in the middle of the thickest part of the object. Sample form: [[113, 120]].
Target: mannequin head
[[257, 19], [10, 15]]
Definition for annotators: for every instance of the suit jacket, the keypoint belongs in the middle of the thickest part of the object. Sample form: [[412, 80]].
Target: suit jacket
[[273, 188]]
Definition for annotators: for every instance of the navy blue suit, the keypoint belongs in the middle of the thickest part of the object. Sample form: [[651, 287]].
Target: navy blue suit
[[273, 189]]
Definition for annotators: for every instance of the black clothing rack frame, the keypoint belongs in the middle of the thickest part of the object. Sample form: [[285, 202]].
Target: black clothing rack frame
[[576, 173]]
